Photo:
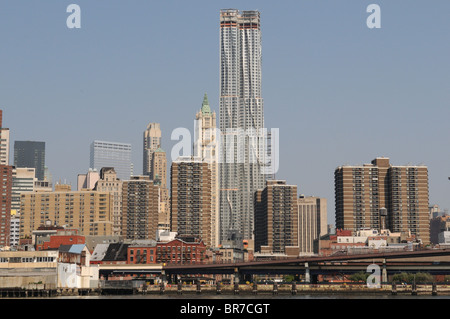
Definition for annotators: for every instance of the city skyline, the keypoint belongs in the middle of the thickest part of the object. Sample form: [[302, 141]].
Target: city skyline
[[340, 94]]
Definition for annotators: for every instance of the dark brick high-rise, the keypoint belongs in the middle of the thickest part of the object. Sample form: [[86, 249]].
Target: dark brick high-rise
[[5, 208]]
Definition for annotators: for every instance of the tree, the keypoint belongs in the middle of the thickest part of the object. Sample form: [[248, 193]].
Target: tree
[[410, 277], [288, 278], [359, 276]]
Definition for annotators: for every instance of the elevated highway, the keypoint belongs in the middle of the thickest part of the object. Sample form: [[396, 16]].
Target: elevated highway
[[433, 261]]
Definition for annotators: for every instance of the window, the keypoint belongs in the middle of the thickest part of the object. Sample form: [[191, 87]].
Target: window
[[27, 259]]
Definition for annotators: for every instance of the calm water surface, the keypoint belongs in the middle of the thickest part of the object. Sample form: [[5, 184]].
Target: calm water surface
[[257, 297]]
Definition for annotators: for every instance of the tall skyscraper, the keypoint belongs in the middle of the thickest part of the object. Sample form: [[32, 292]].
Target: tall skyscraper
[[152, 141], [205, 147], [191, 198], [276, 218], [158, 174], [30, 154], [312, 222], [4, 142], [371, 195], [241, 122], [140, 208], [112, 154]]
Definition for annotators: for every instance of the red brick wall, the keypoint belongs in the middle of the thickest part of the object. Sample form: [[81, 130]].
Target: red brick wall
[[136, 255], [186, 253], [56, 241]]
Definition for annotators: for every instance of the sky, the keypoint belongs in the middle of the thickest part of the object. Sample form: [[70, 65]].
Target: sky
[[339, 92]]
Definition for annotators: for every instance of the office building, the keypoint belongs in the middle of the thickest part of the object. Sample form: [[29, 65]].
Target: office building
[[312, 222], [30, 154], [152, 141], [88, 211], [159, 167], [205, 147], [108, 182], [87, 181], [370, 194], [140, 208], [4, 142], [43, 186], [112, 154], [241, 123], [276, 218], [23, 181], [191, 198], [14, 231], [158, 174], [5, 209], [438, 225]]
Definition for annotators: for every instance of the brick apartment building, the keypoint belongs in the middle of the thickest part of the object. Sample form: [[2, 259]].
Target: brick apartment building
[[5, 208], [380, 194]]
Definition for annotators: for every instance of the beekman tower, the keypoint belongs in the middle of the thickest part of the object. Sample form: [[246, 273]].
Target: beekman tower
[[241, 120]]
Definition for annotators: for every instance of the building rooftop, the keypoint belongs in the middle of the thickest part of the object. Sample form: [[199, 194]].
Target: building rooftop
[[205, 105], [99, 252], [116, 252], [74, 249]]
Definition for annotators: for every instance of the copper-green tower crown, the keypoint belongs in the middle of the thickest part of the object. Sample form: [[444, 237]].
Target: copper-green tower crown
[[205, 105]]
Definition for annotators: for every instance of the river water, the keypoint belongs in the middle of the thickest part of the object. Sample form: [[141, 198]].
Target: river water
[[249, 297]]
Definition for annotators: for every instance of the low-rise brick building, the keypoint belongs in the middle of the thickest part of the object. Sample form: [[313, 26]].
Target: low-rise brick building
[[142, 253], [182, 250]]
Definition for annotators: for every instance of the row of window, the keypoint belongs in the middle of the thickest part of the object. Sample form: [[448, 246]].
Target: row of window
[[26, 259]]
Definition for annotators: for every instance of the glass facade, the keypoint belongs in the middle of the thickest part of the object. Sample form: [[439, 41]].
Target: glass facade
[[32, 155], [241, 112], [112, 154]]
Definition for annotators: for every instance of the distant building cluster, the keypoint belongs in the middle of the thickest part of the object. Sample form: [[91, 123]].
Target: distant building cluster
[[217, 204]]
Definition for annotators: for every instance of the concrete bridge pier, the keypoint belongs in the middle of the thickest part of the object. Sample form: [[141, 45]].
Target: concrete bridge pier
[[238, 277], [163, 277], [218, 288], [307, 274], [384, 277], [414, 289], [294, 288], [394, 289]]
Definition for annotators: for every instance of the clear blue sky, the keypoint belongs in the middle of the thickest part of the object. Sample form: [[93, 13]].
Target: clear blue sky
[[340, 93]]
